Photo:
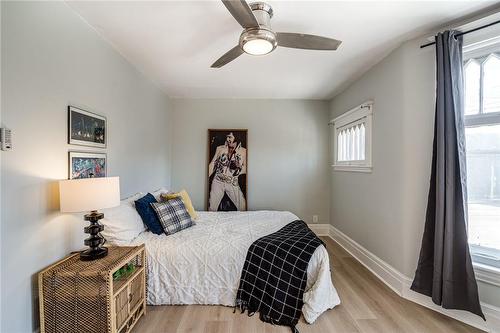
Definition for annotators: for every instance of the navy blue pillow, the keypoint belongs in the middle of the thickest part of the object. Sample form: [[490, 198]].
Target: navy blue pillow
[[147, 213]]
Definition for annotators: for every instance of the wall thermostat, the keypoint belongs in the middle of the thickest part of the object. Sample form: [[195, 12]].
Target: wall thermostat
[[6, 138]]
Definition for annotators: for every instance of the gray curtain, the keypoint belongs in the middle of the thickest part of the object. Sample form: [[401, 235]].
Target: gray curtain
[[444, 270]]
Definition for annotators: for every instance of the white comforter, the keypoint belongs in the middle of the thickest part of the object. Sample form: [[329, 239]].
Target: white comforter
[[202, 264]]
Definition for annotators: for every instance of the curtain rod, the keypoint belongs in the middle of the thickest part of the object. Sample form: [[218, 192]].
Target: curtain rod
[[465, 32]]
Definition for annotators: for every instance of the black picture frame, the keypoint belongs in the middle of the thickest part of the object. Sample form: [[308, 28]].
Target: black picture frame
[[86, 128], [217, 138], [87, 164]]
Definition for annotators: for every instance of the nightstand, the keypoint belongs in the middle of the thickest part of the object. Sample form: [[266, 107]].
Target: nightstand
[[82, 296]]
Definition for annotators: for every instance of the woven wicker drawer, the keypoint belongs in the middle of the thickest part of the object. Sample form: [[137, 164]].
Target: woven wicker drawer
[[81, 296]]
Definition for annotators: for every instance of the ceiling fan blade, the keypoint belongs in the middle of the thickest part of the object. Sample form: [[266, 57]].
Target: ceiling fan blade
[[241, 12], [308, 42], [229, 56]]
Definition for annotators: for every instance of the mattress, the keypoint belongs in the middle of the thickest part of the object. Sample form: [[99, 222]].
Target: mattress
[[202, 264]]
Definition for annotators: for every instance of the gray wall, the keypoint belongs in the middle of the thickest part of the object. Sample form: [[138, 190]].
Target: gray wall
[[288, 159], [51, 58], [1, 124], [384, 211], [364, 204]]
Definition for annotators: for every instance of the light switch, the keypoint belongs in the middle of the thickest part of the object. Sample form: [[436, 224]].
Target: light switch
[[6, 139]]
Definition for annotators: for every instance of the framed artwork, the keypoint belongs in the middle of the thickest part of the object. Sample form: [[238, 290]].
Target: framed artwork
[[87, 165], [227, 169], [86, 128]]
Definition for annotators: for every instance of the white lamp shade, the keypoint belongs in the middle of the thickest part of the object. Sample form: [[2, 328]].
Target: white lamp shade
[[83, 195]]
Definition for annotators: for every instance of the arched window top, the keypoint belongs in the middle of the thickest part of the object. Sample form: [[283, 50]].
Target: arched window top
[[472, 79], [491, 58], [491, 84], [471, 63]]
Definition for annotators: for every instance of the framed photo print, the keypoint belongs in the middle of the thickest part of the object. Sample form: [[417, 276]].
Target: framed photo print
[[87, 165], [86, 128], [227, 169]]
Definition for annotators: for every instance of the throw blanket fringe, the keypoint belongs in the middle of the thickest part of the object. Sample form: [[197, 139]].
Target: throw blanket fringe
[[243, 306], [274, 275]]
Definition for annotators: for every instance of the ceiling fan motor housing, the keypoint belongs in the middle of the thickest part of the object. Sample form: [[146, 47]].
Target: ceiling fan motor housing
[[263, 13]]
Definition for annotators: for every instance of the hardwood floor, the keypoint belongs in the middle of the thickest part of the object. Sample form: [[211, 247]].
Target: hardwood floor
[[368, 306]]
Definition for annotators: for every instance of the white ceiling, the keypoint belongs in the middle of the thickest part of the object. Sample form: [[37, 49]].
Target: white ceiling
[[175, 42]]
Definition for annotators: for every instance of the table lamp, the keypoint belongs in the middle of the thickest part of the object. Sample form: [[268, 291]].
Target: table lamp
[[90, 194]]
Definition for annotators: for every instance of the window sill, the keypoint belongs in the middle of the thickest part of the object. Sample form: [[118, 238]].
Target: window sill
[[487, 274], [352, 168]]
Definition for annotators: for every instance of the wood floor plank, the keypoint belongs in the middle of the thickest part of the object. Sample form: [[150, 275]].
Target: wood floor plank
[[353, 299], [368, 306], [247, 325], [213, 326], [341, 320]]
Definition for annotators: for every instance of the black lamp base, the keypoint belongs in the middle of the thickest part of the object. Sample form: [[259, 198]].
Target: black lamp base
[[95, 242], [93, 254]]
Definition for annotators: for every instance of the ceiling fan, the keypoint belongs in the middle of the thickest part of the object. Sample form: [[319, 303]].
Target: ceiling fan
[[258, 38]]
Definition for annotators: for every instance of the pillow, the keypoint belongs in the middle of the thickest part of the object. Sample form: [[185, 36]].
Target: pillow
[[185, 198], [148, 214], [173, 215], [157, 193], [122, 224], [131, 199]]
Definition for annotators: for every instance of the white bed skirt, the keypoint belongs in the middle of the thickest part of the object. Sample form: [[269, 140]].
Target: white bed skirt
[[203, 264]]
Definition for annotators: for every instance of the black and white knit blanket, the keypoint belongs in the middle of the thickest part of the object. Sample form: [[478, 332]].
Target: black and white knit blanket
[[274, 275]]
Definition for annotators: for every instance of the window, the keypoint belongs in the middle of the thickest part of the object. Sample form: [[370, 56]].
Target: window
[[482, 131], [352, 139]]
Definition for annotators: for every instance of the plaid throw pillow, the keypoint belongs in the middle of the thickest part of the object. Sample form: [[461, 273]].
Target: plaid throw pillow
[[173, 215]]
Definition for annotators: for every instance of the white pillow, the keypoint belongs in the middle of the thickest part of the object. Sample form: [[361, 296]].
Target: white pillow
[[157, 194], [122, 224], [131, 199]]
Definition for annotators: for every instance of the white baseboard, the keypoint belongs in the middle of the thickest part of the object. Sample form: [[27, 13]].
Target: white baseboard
[[400, 283], [320, 229]]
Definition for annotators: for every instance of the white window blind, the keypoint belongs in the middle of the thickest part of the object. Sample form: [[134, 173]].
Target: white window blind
[[352, 139], [351, 142]]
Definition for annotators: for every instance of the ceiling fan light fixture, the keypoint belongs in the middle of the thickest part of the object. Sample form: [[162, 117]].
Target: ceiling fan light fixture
[[257, 41], [258, 47]]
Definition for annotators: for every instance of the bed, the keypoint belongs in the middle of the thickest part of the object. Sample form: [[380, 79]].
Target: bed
[[202, 264]]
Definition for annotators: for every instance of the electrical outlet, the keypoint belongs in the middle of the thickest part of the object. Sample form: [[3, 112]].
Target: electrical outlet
[[315, 218]]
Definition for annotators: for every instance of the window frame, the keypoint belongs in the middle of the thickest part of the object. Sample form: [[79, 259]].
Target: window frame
[[361, 112], [485, 256], [484, 259]]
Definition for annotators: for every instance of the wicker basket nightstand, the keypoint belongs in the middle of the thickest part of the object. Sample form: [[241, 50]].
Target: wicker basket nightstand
[[81, 296]]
